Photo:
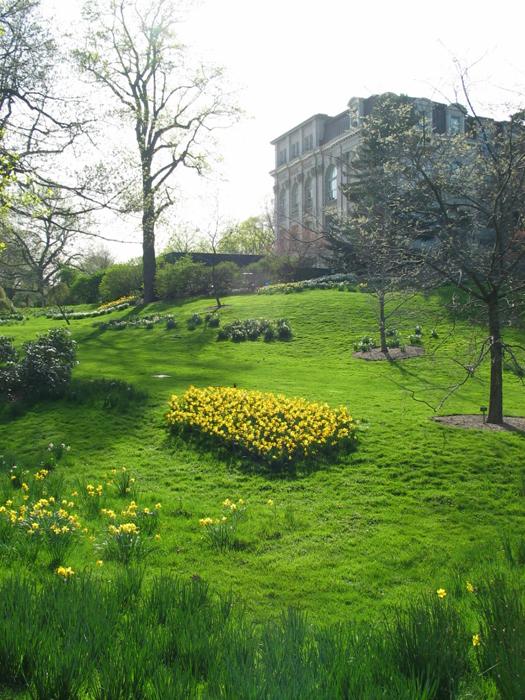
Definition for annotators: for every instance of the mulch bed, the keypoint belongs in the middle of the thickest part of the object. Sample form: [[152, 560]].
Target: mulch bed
[[376, 355], [475, 421]]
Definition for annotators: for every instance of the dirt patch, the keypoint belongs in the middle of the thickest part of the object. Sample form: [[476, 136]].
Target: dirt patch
[[405, 353], [475, 421]]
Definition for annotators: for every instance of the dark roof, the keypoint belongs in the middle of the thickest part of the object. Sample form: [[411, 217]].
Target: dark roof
[[214, 258], [298, 126]]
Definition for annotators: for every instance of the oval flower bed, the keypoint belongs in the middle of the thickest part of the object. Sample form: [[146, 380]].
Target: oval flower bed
[[276, 429]]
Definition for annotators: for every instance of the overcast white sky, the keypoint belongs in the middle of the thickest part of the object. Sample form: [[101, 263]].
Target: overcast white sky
[[294, 58]]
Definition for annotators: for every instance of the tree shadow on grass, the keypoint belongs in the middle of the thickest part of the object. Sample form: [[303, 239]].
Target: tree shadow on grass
[[102, 393], [237, 461]]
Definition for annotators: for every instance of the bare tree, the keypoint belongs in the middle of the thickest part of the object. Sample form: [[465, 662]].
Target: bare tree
[[463, 205], [37, 121], [40, 237], [95, 259], [131, 50], [364, 239]]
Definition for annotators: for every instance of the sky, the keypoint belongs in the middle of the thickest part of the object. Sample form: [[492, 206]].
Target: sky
[[289, 59]]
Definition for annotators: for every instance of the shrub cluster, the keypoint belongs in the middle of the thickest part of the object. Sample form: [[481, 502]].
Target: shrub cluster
[[393, 340], [273, 428], [186, 278], [341, 281], [120, 280], [147, 322], [79, 315], [254, 328], [212, 320], [42, 369], [8, 319]]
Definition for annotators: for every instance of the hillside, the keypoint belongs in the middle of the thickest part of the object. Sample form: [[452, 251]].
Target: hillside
[[414, 504]]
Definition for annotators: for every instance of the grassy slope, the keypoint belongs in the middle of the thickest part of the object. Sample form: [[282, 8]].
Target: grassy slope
[[398, 515]]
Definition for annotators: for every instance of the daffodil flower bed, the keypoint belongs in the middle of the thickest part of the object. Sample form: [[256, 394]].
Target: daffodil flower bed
[[54, 527], [273, 428]]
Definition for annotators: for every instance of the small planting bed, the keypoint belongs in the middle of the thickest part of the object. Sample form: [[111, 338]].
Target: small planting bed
[[404, 353], [512, 423]]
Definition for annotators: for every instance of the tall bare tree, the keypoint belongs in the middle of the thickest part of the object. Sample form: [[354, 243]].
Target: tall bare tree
[[40, 234], [463, 208], [364, 239], [38, 121], [131, 50]]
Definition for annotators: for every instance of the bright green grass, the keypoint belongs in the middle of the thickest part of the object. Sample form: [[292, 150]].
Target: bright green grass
[[414, 502]]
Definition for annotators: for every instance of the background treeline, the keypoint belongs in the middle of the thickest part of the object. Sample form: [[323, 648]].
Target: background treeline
[[182, 279]]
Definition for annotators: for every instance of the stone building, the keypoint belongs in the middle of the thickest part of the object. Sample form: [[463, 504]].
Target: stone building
[[311, 165]]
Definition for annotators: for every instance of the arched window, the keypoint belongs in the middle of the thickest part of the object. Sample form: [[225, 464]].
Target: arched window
[[309, 194], [330, 184], [295, 200], [283, 202]]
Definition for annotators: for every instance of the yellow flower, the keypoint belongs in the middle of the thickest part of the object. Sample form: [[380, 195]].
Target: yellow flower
[[470, 587], [157, 537], [269, 502], [441, 592], [476, 640], [99, 562], [158, 506], [65, 572]]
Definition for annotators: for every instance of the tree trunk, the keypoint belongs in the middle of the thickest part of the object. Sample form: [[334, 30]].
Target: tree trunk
[[148, 244], [495, 414], [382, 322]]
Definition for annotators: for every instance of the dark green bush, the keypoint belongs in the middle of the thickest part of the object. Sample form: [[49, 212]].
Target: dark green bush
[[120, 280], [85, 289], [43, 369], [47, 364], [194, 321], [7, 350], [182, 279], [222, 278]]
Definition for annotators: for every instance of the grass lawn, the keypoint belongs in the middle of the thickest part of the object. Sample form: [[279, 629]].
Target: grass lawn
[[412, 506]]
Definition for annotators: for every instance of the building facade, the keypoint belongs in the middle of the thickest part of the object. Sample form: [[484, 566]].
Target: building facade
[[311, 168]]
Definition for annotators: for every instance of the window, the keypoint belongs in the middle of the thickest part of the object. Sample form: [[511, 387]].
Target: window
[[455, 124], [281, 156], [330, 184], [309, 194], [295, 200], [308, 142], [294, 151], [283, 202]]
